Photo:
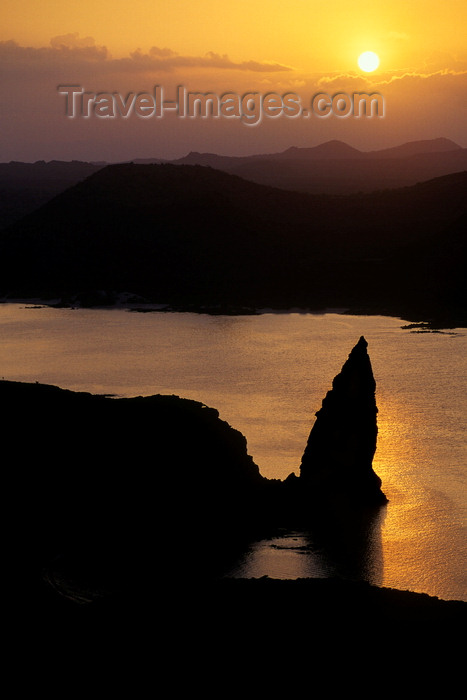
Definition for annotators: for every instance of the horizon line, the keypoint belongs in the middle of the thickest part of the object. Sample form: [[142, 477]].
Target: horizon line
[[456, 145]]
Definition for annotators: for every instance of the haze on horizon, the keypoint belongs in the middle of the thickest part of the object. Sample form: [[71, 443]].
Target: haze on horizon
[[207, 46]]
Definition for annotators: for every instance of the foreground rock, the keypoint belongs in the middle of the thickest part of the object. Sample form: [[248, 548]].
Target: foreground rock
[[337, 462], [262, 609], [104, 493]]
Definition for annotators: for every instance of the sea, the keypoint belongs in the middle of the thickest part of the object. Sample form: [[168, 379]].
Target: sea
[[267, 374]]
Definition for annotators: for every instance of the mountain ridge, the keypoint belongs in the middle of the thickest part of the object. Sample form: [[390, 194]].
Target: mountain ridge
[[193, 236], [337, 168], [332, 167], [336, 148]]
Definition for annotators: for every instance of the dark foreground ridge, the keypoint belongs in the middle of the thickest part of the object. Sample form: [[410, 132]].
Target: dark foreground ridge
[[114, 498]]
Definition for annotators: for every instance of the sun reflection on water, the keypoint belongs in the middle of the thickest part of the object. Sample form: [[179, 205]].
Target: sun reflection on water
[[267, 376]]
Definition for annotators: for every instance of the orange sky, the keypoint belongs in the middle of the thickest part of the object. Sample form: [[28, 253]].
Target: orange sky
[[210, 45]]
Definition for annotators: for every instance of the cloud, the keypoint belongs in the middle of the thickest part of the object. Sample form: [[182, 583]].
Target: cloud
[[168, 60], [349, 81], [345, 82], [418, 75], [14, 56], [156, 51], [71, 41], [439, 60], [71, 49]]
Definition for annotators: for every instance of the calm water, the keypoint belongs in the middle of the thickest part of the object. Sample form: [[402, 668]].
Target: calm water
[[267, 376]]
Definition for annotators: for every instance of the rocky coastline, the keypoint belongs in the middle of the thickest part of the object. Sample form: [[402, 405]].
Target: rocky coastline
[[111, 498]]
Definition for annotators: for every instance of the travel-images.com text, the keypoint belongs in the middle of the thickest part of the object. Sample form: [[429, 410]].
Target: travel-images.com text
[[250, 108]]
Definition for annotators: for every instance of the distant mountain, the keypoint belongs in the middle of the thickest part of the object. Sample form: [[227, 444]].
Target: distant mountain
[[352, 175], [212, 160], [330, 150], [412, 148], [192, 236], [148, 161], [335, 167]]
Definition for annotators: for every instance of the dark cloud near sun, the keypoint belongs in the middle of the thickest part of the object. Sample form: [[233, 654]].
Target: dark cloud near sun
[[167, 60], [380, 81], [72, 41], [62, 51], [71, 49]]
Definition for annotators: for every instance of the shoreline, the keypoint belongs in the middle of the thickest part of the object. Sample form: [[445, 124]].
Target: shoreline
[[256, 602], [416, 322]]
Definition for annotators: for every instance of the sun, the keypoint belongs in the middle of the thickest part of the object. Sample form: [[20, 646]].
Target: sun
[[368, 61]]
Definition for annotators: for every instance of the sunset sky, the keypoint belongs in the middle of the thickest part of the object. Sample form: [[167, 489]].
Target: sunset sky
[[262, 46]]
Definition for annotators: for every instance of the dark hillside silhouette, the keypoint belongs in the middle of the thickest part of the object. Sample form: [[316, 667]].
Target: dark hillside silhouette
[[194, 237], [24, 187], [332, 167]]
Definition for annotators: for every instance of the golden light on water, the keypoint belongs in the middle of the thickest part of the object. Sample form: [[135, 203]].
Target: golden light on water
[[267, 375], [411, 526]]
